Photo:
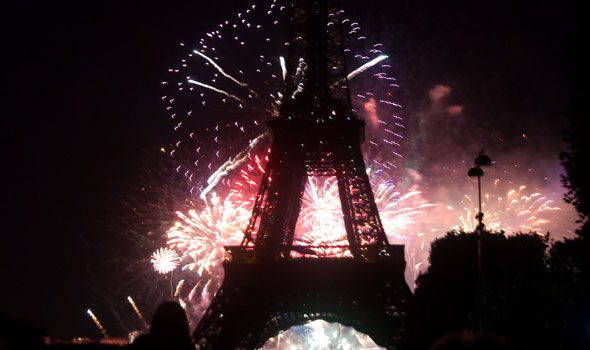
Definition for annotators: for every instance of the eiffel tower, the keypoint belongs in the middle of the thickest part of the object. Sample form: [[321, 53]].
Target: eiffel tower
[[270, 283]]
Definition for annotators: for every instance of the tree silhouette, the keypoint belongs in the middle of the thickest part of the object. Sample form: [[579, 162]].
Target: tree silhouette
[[569, 265], [570, 259], [574, 158], [517, 290]]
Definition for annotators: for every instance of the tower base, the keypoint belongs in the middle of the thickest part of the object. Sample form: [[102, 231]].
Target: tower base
[[259, 299]]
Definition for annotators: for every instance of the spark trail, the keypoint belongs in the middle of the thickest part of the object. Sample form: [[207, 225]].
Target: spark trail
[[137, 312], [97, 323], [365, 66], [213, 88], [222, 71]]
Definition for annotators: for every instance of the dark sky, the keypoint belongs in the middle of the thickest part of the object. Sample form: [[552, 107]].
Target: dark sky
[[81, 87]]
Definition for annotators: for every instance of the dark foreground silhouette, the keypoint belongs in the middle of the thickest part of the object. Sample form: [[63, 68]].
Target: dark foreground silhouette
[[169, 330], [469, 342]]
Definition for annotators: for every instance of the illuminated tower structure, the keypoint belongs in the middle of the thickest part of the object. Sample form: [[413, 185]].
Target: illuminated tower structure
[[271, 284]]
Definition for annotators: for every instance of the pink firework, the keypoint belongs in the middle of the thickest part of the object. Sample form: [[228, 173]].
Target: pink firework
[[515, 211], [200, 235]]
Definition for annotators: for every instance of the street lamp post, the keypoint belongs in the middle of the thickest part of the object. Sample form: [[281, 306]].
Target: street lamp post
[[476, 171]]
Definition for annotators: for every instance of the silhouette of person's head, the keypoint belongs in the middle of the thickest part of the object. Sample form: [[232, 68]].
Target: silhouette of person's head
[[169, 322], [168, 330]]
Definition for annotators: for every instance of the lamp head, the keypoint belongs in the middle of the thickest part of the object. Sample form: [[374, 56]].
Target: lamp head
[[482, 159], [476, 171]]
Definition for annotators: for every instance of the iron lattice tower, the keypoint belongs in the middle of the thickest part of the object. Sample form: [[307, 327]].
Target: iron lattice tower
[[265, 290]]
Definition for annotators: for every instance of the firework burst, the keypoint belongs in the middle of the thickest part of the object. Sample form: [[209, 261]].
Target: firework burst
[[227, 85], [164, 260], [516, 211], [201, 235]]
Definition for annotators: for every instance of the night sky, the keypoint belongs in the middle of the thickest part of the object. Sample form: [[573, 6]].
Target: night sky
[[81, 84]]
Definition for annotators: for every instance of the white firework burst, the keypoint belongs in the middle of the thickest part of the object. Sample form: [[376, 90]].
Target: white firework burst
[[165, 260]]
